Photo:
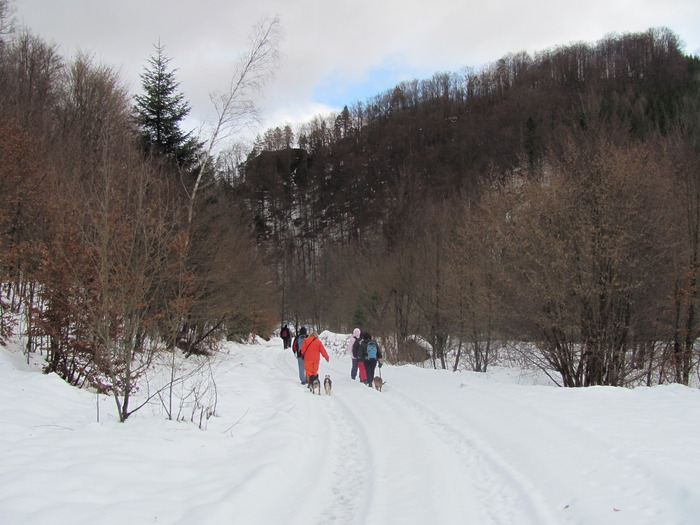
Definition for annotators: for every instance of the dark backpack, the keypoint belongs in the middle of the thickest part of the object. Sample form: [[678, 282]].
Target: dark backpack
[[362, 350], [372, 350], [297, 344]]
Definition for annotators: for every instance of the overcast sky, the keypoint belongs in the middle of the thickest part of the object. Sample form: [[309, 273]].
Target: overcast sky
[[336, 52]]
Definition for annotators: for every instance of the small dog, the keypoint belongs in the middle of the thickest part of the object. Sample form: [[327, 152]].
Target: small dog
[[314, 385], [378, 383], [327, 384]]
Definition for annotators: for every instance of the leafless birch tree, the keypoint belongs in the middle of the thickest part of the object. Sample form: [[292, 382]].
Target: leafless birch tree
[[234, 107]]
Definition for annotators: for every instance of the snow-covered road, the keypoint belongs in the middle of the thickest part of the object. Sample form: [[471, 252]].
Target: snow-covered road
[[418, 464], [433, 447]]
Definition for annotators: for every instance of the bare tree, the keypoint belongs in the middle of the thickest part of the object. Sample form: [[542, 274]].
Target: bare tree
[[20, 186], [234, 107], [130, 230], [475, 266], [686, 289], [433, 235], [583, 241], [6, 20]]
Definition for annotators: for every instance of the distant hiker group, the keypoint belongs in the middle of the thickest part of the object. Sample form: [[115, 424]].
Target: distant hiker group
[[308, 349], [366, 356]]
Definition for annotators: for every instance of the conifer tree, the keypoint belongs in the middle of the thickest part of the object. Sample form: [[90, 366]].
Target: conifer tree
[[161, 110]]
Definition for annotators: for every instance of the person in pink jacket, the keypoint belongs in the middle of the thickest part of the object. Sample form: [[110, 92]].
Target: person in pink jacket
[[312, 349]]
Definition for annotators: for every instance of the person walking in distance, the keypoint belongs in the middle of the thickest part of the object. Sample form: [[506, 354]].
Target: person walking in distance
[[360, 352], [353, 347], [296, 348], [286, 336], [373, 355]]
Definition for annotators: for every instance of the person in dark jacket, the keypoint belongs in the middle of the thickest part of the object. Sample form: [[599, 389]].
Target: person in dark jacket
[[286, 336], [296, 348], [360, 352], [372, 356]]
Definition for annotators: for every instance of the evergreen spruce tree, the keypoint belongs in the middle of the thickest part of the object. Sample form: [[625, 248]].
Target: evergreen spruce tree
[[160, 111]]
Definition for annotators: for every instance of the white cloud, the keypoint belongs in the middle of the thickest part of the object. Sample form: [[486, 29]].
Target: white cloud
[[335, 49]]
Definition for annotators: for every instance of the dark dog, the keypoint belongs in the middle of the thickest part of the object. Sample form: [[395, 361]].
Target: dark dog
[[327, 384], [314, 385]]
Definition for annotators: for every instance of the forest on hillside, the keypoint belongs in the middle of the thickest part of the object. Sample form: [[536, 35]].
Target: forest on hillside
[[552, 200]]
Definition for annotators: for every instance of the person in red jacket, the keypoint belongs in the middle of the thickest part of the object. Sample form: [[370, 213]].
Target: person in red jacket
[[312, 349]]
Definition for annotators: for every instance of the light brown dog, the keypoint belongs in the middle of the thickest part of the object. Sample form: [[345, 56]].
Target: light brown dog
[[378, 383]]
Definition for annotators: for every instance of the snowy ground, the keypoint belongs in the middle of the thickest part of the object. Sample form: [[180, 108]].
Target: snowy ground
[[433, 447]]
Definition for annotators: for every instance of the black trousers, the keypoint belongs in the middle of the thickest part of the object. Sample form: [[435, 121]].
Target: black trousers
[[370, 365]]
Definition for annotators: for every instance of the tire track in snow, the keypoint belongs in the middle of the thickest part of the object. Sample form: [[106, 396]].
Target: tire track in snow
[[350, 454], [490, 476], [352, 461], [337, 476], [635, 474], [423, 486], [300, 472]]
